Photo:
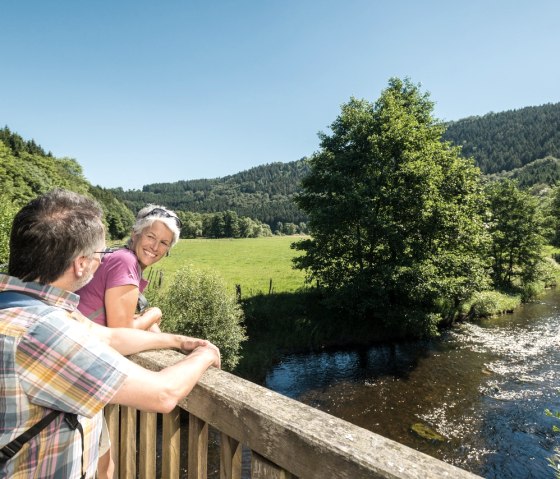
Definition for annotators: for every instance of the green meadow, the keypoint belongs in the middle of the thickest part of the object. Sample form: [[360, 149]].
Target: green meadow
[[251, 263]]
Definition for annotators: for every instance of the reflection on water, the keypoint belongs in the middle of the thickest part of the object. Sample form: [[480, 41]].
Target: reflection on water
[[484, 387]]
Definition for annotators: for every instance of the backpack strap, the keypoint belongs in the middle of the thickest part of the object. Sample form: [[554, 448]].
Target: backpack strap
[[12, 448]]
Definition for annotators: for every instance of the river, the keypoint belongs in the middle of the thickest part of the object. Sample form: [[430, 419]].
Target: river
[[483, 387]]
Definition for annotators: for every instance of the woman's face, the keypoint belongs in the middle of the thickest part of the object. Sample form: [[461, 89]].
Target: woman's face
[[152, 244]]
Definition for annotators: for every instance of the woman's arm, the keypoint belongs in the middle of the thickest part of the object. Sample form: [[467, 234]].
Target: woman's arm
[[120, 307]]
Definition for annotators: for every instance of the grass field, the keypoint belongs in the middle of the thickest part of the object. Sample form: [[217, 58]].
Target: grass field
[[249, 262]]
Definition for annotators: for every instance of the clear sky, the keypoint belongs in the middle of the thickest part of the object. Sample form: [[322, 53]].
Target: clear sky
[[140, 92]]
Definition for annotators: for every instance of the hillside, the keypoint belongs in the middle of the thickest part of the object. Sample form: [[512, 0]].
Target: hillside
[[545, 171], [264, 193], [26, 171], [508, 140]]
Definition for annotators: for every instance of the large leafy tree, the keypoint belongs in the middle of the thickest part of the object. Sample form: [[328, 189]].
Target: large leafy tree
[[394, 210], [517, 227]]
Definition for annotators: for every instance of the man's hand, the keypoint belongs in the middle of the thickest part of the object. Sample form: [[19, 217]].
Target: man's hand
[[202, 346]]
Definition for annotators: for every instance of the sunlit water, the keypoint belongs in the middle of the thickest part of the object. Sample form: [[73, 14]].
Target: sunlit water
[[484, 387]]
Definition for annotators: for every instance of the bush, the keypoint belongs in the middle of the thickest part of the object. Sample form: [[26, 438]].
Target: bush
[[197, 303], [531, 290], [7, 213], [490, 303]]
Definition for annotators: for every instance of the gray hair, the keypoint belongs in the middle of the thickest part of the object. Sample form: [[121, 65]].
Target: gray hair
[[152, 213]]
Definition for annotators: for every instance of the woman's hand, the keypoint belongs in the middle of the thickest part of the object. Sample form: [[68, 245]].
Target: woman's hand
[[149, 319], [154, 328]]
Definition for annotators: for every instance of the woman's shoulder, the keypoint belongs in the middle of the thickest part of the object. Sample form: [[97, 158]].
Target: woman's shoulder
[[123, 253]]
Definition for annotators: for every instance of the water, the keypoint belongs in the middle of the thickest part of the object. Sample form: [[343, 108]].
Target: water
[[484, 387]]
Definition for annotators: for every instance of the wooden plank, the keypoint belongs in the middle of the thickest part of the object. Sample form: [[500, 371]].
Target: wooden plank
[[128, 443], [148, 436], [230, 457], [305, 441], [198, 448], [262, 468], [171, 445], [112, 416]]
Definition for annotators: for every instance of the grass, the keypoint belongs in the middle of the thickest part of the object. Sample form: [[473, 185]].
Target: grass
[[251, 263]]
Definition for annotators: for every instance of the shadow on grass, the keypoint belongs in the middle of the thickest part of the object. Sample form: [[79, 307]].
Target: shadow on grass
[[285, 323]]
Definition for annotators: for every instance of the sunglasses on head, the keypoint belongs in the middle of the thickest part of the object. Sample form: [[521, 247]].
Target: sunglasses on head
[[164, 213]]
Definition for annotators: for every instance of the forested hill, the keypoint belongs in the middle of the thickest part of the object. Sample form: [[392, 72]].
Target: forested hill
[[26, 171], [508, 140], [264, 193]]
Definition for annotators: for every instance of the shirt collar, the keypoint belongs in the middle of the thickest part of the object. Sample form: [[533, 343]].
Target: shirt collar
[[49, 294]]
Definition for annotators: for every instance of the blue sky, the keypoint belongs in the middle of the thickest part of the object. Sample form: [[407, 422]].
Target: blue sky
[[142, 92]]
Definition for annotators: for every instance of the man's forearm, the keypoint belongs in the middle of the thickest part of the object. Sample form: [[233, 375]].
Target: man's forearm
[[160, 391]]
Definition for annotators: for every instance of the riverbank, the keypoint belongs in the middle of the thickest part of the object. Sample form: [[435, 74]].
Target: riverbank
[[288, 323], [482, 386]]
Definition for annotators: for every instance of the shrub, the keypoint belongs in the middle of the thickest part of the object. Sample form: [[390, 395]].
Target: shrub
[[197, 303], [489, 303], [7, 213]]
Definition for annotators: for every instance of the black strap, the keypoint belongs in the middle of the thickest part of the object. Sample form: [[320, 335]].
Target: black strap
[[12, 448], [73, 423]]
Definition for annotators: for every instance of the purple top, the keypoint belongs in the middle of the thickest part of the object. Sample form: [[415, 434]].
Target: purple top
[[117, 269]]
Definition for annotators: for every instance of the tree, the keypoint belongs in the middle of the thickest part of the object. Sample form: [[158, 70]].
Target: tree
[[394, 210], [118, 218], [555, 216], [516, 226]]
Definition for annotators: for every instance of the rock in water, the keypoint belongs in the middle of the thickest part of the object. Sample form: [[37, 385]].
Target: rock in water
[[427, 432]]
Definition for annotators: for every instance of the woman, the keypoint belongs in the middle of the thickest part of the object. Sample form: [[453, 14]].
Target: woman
[[114, 296]]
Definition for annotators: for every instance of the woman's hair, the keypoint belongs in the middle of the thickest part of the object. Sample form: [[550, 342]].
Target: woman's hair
[[50, 232], [151, 213]]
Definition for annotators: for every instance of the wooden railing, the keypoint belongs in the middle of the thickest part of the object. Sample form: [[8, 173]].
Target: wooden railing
[[259, 435]]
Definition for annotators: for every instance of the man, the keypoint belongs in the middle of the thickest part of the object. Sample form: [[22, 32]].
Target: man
[[53, 358]]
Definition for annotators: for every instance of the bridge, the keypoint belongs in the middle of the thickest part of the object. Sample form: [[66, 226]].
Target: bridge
[[258, 434]]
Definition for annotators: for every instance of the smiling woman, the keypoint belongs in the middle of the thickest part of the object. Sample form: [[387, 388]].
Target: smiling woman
[[112, 297]]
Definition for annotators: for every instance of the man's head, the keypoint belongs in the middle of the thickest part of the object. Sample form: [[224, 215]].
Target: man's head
[[50, 232]]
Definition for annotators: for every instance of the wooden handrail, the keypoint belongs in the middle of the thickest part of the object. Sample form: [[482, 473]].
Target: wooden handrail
[[287, 439]]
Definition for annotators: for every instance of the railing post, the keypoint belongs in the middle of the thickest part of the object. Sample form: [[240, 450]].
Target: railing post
[[230, 457], [112, 417], [128, 443], [148, 432], [171, 445], [262, 468], [198, 448]]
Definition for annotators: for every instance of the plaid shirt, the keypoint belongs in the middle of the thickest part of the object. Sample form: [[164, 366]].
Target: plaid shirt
[[51, 360]]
